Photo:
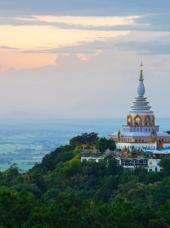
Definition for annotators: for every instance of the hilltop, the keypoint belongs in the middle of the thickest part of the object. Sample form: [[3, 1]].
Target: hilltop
[[62, 191]]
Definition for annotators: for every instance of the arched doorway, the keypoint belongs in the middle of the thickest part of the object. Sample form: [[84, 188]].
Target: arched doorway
[[137, 120], [147, 120], [119, 136], [129, 120], [159, 144], [153, 136]]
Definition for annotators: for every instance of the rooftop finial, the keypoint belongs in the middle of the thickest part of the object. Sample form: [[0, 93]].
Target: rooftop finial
[[141, 88], [141, 67]]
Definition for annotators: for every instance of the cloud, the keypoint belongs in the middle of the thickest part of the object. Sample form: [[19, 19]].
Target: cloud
[[104, 42], [100, 84], [88, 7], [138, 22], [34, 36], [85, 21], [104, 23], [141, 42], [146, 43], [9, 48]]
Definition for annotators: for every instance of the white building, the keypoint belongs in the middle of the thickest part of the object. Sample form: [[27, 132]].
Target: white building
[[140, 130], [130, 163]]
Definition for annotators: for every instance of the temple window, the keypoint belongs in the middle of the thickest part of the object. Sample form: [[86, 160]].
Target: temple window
[[142, 139], [137, 121], [159, 144], [136, 140], [147, 121], [129, 120], [153, 136], [119, 138]]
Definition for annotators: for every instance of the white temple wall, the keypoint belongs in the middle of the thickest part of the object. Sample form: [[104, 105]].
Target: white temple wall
[[139, 146]]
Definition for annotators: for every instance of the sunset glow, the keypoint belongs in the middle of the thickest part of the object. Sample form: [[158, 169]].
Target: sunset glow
[[27, 41], [73, 58]]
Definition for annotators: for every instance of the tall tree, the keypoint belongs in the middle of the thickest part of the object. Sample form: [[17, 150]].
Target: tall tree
[[102, 144], [85, 138], [165, 164]]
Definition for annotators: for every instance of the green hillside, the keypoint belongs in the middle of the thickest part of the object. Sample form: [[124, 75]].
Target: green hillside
[[64, 192]]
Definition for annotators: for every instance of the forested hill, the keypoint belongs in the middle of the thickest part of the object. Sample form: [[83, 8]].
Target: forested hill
[[64, 192]]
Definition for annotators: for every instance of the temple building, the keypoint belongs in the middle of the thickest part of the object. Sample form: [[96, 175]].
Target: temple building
[[140, 130]]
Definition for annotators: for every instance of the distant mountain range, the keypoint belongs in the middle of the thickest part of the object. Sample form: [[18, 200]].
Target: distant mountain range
[[26, 115]]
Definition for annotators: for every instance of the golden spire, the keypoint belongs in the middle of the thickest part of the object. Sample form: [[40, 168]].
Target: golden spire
[[141, 67]]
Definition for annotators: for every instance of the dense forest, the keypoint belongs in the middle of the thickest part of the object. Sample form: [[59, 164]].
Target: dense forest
[[64, 192]]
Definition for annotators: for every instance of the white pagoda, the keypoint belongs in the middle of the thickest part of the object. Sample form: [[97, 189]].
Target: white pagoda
[[140, 130]]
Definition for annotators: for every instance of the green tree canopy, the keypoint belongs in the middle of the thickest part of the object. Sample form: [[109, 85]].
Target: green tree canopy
[[102, 144], [112, 167], [165, 164], [85, 138]]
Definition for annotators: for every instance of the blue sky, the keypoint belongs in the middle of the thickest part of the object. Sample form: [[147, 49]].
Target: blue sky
[[81, 58]]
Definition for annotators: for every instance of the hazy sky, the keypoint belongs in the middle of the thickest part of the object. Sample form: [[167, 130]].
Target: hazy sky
[[73, 58]]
